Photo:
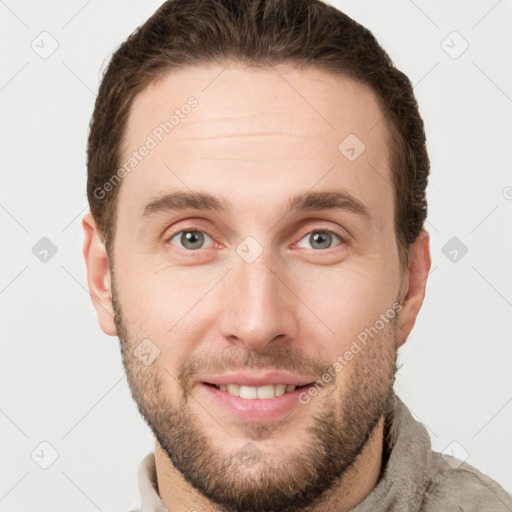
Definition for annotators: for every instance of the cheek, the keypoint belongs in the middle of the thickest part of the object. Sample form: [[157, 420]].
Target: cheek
[[346, 300], [165, 307], [153, 298]]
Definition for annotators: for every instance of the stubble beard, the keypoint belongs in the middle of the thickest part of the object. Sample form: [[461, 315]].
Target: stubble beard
[[248, 479]]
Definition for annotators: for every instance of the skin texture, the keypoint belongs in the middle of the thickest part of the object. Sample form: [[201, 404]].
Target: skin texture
[[257, 137]]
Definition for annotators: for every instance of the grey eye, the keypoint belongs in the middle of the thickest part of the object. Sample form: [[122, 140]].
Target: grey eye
[[321, 239], [190, 239]]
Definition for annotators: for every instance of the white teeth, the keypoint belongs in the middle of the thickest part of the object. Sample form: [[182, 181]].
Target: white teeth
[[233, 389], [280, 389], [265, 392], [248, 392], [261, 392]]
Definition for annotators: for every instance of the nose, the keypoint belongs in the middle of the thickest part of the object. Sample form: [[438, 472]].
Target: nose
[[258, 306]]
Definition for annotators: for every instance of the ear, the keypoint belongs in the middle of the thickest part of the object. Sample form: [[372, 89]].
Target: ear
[[414, 284], [98, 275]]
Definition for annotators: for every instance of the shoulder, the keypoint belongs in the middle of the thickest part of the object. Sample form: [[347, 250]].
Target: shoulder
[[458, 486]]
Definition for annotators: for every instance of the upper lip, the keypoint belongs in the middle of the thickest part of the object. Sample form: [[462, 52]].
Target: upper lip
[[259, 379]]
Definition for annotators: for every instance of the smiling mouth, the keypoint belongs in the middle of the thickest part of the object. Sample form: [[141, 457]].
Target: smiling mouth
[[257, 392]]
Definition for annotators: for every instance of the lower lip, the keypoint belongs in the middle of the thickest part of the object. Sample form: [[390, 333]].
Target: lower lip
[[256, 410]]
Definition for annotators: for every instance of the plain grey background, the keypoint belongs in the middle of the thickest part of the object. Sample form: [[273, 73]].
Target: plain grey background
[[62, 380]]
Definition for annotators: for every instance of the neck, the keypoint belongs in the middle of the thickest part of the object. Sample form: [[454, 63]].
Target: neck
[[358, 481]]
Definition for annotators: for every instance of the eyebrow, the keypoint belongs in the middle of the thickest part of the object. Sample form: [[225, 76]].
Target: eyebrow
[[304, 201]]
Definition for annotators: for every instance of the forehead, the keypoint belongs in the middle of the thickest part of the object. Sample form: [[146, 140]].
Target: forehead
[[267, 130]]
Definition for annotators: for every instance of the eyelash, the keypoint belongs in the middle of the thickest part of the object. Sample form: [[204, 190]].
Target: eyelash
[[320, 229]]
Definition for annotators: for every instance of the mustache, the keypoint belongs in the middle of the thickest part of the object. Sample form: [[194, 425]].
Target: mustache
[[276, 358]]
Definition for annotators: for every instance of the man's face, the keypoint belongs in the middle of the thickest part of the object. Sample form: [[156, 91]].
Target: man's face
[[257, 288]]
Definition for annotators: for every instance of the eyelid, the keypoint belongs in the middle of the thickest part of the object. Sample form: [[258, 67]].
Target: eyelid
[[324, 228], [190, 227]]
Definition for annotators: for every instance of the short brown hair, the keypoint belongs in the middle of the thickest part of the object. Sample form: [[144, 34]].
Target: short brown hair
[[260, 33]]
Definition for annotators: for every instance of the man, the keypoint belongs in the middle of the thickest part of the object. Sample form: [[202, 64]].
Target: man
[[256, 176]]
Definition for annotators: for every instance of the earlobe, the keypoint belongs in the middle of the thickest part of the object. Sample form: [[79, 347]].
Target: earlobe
[[98, 275], [414, 285]]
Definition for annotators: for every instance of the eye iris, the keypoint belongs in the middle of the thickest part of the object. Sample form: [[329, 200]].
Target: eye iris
[[195, 238], [321, 237]]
